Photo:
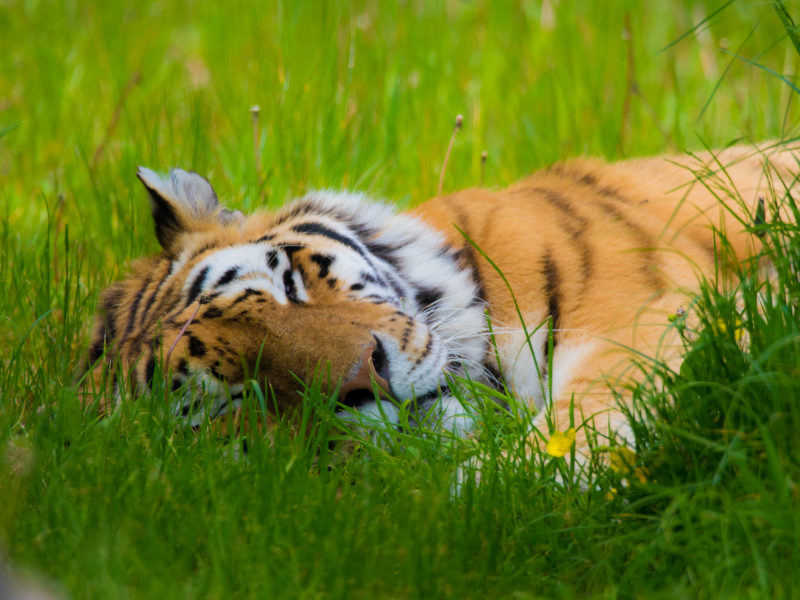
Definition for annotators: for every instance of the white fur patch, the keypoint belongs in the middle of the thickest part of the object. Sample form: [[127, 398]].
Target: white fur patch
[[568, 358], [394, 259], [189, 190], [523, 360], [252, 271]]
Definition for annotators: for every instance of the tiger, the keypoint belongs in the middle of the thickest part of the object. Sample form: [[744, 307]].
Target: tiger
[[550, 288]]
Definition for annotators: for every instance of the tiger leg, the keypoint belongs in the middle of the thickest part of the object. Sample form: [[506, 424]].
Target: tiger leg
[[589, 395], [586, 387]]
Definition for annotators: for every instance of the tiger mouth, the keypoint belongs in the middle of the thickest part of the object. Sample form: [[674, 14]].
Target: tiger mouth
[[360, 398]]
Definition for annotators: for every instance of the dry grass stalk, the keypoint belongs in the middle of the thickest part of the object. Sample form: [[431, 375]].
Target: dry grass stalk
[[633, 89], [112, 124], [254, 110], [456, 129], [58, 227], [200, 302]]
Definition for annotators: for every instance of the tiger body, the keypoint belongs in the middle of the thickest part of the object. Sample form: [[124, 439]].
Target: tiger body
[[601, 254]]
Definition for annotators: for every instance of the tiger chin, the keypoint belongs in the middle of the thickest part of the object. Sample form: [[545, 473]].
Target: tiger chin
[[397, 305]]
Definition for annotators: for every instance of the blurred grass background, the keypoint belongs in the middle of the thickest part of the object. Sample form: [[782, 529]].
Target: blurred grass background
[[360, 95]]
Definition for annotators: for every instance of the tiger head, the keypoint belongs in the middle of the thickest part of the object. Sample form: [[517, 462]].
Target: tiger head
[[333, 283]]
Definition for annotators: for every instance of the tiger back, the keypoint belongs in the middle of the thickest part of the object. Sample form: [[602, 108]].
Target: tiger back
[[598, 254]]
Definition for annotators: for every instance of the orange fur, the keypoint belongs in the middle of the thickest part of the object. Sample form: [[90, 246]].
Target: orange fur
[[608, 251], [626, 242]]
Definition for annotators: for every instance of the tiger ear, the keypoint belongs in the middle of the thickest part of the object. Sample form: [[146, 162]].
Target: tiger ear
[[182, 202]]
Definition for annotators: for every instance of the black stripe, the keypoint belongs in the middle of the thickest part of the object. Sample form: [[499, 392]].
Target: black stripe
[[212, 312], [708, 247], [393, 281], [590, 180], [97, 347], [586, 179], [247, 293], [386, 252], [477, 279], [265, 238], [150, 370], [161, 309], [197, 285], [496, 381], [612, 193], [290, 249], [272, 259], [427, 349], [575, 225], [216, 370], [362, 231], [149, 304], [111, 300], [553, 294], [298, 208], [202, 250], [137, 299], [551, 289], [426, 297], [196, 346], [319, 229], [404, 340], [289, 287], [228, 276], [643, 239], [467, 254], [324, 263]]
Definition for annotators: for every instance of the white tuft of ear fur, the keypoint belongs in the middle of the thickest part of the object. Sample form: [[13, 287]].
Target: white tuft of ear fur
[[189, 191], [182, 201]]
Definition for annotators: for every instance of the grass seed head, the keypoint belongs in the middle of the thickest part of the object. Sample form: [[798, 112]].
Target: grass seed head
[[459, 124]]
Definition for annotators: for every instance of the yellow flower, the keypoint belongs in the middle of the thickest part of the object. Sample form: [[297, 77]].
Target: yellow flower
[[623, 460], [738, 330], [560, 443]]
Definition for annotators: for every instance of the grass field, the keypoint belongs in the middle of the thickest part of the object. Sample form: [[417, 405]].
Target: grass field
[[363, 95]]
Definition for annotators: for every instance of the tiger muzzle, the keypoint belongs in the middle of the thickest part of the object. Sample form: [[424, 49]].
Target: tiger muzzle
[[372, 376]]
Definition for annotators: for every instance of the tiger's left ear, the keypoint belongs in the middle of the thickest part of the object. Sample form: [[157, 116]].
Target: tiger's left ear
[[183, 201]]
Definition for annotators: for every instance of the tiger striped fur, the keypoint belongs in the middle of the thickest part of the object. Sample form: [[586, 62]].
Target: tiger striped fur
[[603, 252]]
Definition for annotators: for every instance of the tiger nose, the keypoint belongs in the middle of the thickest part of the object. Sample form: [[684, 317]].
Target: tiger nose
[[374, 366]]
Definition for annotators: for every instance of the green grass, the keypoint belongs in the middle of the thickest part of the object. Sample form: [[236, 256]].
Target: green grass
[[363, 95]]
